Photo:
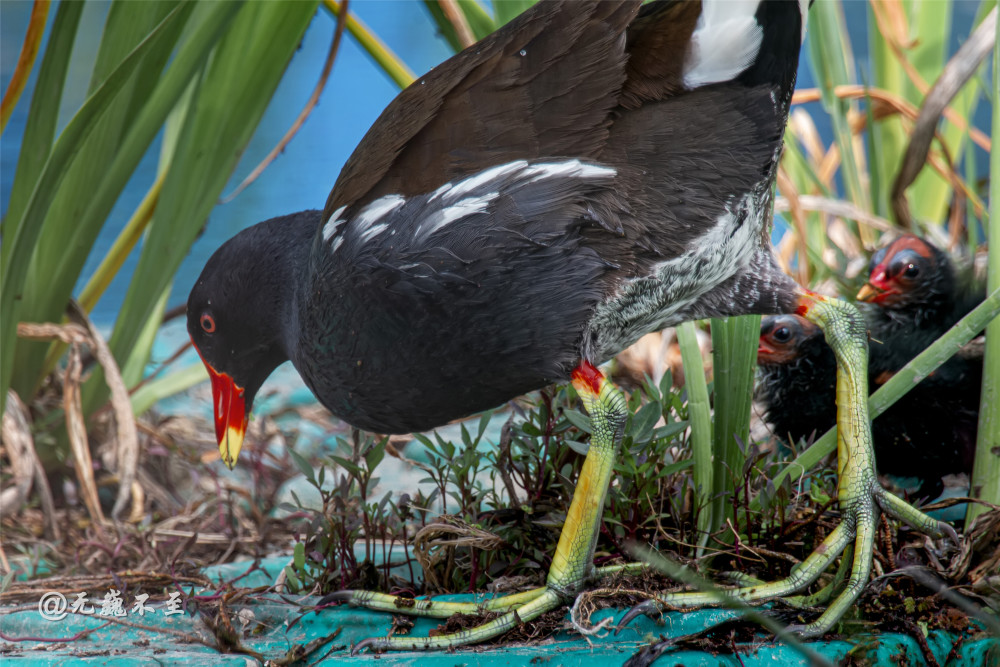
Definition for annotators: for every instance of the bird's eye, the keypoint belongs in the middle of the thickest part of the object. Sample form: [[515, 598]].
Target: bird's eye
[[782, 334], [911, 271], [207, 323]]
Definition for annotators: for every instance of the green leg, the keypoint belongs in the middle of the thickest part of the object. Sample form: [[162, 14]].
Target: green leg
[[801, 576], [393, 604], [859, 493], [820, 597], [572, 565], [826, 593]]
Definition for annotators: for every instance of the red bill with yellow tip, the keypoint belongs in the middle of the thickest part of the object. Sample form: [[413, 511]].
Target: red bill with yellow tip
[[877, 288], [230, 414]]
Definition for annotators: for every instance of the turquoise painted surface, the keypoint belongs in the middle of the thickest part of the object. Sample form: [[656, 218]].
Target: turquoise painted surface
[[285, 625], [276, 624]]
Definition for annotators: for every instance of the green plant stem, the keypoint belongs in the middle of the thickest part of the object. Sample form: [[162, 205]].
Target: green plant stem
[[920, 367], [380, 53], [700, 418], [833, 65], [986, 468], [122, 247], [146, 396], [111, 264], [734, 362]]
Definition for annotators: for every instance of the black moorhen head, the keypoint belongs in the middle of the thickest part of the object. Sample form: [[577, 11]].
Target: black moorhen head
[[589, 172], [241, 317]]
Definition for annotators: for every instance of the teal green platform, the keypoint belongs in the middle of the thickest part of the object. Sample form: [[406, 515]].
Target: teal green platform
[[272, 631]]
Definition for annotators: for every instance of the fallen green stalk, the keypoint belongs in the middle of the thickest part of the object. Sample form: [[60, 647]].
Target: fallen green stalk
[[986, 467]]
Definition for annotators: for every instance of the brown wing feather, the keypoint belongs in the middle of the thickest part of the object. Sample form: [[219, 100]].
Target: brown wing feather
[[456, 120], [658, 41]]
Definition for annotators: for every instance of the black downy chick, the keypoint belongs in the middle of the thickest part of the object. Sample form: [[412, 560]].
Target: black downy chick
[[929, 433]]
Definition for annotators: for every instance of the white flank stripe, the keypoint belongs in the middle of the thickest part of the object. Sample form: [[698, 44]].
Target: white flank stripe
[[725, 42], [378, 208], [451, 192], [457, 211], [332, 224], [568, 169], [467, 185], [510, 174], [372, 232], [336, 243]]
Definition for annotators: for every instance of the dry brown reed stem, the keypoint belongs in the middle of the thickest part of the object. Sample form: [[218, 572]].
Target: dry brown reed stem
[[16, 426], [76, 428], [890, 16], [25, 61], [806, 95], [886, 104], [953, 78], [331, 56], [787, 187], [835, 207], [125, 452], [456, 18], [804, 129], [19, 446], [73, 335]]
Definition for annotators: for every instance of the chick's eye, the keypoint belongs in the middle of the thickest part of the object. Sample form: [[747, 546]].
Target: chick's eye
[[911, 271], [207, 323], [782, 334]]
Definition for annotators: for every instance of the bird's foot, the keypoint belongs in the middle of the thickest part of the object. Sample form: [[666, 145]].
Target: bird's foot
[[572, 564], [854, 536], [512, 610], [859, 493]]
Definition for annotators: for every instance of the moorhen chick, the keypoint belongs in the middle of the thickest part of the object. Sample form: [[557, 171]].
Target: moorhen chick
[[919, 297], [913, 438], [589, 172], [797, 377]]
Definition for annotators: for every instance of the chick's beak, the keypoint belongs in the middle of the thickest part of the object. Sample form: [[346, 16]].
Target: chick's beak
[[874, 288], [868, 292]]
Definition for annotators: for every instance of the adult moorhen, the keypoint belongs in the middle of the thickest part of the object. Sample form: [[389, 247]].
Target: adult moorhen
[[797, 382], [589, 172]]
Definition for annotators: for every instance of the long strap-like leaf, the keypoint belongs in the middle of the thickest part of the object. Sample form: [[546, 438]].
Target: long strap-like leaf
[[17, 250]]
